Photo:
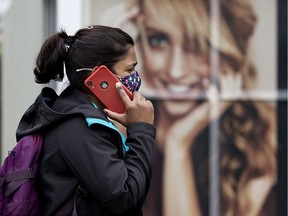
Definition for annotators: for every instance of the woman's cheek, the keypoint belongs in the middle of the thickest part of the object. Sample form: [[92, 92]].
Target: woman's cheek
[[156, 62]]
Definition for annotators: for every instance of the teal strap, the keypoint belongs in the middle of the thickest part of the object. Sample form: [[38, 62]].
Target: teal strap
[[91, 121]]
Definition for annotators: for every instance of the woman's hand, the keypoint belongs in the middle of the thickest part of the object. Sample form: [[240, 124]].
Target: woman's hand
[[185, 129], [137, 110], [180, 193], [120, 16]]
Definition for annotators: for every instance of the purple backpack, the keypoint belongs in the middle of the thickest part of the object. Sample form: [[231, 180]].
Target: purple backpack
[[18, 193], [18, 176]]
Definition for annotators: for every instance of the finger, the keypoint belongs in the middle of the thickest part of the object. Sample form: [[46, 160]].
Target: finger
[[238, 81], [205, 83], [138, 97], [125, 98], [132, 13], [212, 94], [231, 86], [142, 98], [231, 82], [143, 33], [201, 117], [149, 103], [113, 115], [118, 15]]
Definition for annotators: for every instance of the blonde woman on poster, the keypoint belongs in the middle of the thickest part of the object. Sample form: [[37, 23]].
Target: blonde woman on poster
[[174, 42]]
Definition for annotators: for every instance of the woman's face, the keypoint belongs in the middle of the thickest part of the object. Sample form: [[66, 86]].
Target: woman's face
[[173, 67], [127, 65]]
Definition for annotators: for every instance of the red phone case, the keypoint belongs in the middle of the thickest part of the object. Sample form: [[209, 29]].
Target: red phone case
[[102, 83]]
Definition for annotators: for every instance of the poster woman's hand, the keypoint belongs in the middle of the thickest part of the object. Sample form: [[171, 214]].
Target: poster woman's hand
[[180, 193], [184, 130], [120, 16]]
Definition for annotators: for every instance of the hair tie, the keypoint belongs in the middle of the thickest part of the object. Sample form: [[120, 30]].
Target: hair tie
[[68, 42]]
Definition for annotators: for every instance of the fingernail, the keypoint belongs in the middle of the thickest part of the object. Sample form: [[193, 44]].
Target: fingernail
[[205, 82], [134, 11], [118, 85]]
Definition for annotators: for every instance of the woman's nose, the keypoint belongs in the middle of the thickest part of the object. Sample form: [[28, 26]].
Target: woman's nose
[[186, 65], [177, 66]]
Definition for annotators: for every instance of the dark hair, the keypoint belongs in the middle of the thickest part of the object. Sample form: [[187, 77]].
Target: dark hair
[[89, 47]]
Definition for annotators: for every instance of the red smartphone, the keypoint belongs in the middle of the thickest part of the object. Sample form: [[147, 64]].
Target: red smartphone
[[102, 83]]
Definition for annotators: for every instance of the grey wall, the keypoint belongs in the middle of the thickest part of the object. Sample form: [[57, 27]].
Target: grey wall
[[23, 33]]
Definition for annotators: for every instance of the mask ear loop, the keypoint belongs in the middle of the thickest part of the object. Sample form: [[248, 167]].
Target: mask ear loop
[[86, 69]]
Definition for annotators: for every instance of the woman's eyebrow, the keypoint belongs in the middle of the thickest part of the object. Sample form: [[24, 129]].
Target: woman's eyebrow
[[132, 65]]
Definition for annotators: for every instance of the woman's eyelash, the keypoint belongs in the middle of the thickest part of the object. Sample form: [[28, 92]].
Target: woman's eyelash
[[131, 70]]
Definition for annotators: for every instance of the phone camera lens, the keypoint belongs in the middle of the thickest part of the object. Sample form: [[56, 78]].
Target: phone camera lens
[[104, 85], [89, 83]]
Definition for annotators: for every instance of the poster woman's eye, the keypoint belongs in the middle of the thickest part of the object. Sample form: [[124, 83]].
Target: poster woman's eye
[[158, 40]]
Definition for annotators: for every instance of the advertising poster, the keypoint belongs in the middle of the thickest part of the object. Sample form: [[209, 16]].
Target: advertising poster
[[215, 71]]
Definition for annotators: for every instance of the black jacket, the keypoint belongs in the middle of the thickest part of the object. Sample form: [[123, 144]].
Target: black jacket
[[82, 147]]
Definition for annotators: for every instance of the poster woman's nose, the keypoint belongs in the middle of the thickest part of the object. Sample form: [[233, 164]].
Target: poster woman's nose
[[177, 70]]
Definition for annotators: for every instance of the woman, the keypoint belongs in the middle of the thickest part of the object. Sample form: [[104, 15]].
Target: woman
[[83, 150], [175, 52], [177, 48]]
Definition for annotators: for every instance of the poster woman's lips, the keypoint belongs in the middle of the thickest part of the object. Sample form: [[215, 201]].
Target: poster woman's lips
[[182, 91], [178, 88]]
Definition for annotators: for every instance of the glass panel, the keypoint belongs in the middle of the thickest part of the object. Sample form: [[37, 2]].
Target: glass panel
[[212, 70]]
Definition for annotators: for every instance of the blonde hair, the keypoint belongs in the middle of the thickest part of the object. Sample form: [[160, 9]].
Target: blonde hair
[[246, 152], [237, 24]]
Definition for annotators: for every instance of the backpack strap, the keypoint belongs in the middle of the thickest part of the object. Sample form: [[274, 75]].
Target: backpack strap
[[16, 179], [72, 203]]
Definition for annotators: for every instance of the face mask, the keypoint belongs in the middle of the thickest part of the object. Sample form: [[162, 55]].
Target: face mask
[[132, 82]]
